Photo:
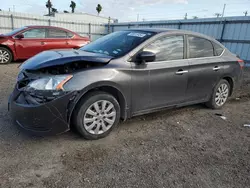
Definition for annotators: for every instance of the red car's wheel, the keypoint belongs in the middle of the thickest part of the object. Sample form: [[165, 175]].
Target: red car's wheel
[[5, 55]]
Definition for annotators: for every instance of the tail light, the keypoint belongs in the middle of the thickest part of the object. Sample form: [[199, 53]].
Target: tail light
[[241, 63]]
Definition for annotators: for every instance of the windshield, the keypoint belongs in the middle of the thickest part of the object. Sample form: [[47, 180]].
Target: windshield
[[118, 43], [15, 31]]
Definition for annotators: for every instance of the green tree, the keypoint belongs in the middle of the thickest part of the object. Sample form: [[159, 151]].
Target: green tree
[[72, 6], [98, 9], [49, 6], [195, 17]]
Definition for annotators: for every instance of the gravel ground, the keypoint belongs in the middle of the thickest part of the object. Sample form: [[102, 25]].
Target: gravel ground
[[185, 147]]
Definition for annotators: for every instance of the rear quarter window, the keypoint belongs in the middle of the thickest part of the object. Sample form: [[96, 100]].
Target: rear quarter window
[[217, 49], [70, 35]]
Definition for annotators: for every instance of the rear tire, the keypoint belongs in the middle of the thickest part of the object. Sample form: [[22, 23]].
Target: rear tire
[[5, 55], [96, 115], [220, 95]]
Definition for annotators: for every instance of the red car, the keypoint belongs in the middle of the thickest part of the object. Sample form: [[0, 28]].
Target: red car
[[28, 41]]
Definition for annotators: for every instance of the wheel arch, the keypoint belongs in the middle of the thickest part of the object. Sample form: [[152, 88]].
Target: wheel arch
[[231, 83], [108, 88], [11, 51]]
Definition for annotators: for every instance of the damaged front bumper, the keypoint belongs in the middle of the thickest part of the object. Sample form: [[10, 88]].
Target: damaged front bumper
[[46, 118]]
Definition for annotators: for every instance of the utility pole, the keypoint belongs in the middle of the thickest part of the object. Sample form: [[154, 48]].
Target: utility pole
[[245, 13], [138, 17], [185, 16], [109, 25], [223, 12]]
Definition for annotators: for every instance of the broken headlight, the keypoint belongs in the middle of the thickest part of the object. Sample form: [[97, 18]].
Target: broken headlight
[[52, 83]]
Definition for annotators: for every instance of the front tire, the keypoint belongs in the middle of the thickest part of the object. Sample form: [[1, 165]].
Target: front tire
[[96, 115], [5, 55], [220, 95]]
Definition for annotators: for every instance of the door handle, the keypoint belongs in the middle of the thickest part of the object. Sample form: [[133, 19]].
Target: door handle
[[43, 43], [181, 72], [216, 68]]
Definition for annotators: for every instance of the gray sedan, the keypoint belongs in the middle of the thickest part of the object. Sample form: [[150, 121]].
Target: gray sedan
[[121, 75]]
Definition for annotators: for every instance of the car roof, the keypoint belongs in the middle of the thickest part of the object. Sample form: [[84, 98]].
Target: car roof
[[47, 26], [169, 30], [37, 26]]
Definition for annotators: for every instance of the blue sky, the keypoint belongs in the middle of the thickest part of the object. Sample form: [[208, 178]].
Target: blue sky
[[127, 10]]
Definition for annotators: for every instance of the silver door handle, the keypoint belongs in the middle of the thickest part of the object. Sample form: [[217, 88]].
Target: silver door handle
[[216, 68], [181, 72]]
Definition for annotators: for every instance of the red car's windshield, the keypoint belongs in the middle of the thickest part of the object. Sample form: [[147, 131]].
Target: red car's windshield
[[15, 31]]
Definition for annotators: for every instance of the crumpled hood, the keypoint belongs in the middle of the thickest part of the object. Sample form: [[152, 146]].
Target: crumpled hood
[[61, 57]]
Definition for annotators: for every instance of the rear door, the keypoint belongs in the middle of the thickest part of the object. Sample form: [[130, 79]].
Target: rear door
[[169, 71], [206, 68], [57, 39], [32, 43]]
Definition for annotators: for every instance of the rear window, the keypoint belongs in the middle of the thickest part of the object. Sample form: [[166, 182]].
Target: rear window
[[200, 47], [217, 49], [56, 33]]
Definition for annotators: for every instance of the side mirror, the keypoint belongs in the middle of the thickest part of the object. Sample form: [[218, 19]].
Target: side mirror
[[145, 56], [19, 36]]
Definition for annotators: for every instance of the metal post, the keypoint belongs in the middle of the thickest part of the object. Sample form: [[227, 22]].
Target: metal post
[[179, 25], [12, 21], [89, 30], [222, 31], [109, 25], [128, 26], [49, 22]]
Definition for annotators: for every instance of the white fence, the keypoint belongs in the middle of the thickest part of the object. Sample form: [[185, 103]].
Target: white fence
[[13, 20]]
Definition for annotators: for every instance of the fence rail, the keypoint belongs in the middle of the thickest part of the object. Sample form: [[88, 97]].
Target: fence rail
[[233, 32], [8, 22]]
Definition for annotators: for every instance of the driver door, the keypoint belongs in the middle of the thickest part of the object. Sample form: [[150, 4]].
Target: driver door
[[32, 43]]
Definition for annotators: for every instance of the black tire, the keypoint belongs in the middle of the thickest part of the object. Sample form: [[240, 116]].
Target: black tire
[[211, 103], [82, 107], [3, 49]]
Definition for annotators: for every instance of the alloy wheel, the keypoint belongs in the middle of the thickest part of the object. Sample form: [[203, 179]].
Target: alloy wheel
[[221, 94], [4, 56], [99, 117]]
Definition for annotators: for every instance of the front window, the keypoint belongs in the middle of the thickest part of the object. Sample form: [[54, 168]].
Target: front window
[[15, 31], [167, 48], [35, 33], [118, 43]]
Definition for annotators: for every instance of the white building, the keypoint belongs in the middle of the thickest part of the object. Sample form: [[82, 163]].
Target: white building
[[84, 17]]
